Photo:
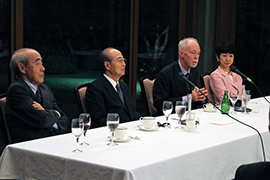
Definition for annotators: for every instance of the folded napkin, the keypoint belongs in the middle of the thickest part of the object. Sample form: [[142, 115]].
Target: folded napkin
[[175, 117], [222, 122]]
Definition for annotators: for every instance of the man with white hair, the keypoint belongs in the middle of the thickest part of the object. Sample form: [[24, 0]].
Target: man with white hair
[[168, 86]]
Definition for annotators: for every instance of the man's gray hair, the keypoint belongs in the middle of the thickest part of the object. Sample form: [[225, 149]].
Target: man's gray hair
[[19, 56], [183, 43], [103, 57]]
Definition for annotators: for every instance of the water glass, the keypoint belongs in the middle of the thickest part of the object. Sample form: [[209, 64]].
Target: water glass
[[86, 118], [167, 108], [77, 129], [112, 123]]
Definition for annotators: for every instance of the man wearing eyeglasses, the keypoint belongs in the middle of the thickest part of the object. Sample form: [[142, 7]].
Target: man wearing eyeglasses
[[31, 109], [108, 94], [169, 87]]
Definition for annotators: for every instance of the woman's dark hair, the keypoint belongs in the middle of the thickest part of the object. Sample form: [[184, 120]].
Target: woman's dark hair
[[225, 47]]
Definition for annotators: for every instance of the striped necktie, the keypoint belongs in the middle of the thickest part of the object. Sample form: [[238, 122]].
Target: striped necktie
[[38, 95], [120, 93], [187, 76]]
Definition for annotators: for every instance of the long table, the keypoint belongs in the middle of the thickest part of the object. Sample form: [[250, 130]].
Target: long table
[[213, 151]]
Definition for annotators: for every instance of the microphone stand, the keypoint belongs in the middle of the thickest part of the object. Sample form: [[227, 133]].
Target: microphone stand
[[234, 69], [264, 159], [260, 92], [183, 78]]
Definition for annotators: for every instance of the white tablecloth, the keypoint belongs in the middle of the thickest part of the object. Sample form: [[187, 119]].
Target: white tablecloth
[[211, 152]]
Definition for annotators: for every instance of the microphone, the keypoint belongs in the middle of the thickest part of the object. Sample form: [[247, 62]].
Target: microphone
[[234, 69], [182, 77]]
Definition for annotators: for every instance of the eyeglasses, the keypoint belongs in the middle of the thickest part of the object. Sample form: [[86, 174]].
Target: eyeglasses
[[121, 60], [194, 53]]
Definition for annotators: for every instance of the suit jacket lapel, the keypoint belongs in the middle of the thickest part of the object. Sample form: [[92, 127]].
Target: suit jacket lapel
[[180, 84], [128, 104], [45, 94], [112, 93], [20, 80]]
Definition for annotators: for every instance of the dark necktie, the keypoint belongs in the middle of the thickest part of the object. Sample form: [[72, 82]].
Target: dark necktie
[[119, 92], [187, 76], [38, 95]]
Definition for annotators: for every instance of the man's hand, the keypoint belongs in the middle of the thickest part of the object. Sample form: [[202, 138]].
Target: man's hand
[[37, 105], [197, 96]]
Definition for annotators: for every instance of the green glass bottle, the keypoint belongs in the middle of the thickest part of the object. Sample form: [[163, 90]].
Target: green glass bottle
[[225, 105]]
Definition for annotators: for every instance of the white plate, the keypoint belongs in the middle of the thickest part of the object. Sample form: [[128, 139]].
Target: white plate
[[127, 138], [148, 129]]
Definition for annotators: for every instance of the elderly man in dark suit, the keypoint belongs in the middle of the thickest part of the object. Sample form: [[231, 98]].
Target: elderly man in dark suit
[[168, 86], [109, 95], [31, 109]]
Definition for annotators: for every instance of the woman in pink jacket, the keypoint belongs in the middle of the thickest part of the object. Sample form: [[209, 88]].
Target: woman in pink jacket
[[223, 79]]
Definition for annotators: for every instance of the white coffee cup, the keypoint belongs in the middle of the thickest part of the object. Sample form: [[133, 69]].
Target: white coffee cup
[[148, 121], [208, 107], [190, 122], [121, 132]]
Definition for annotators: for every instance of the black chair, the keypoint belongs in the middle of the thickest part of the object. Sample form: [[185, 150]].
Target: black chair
[[80, 96], [3, 124], [147, 83], [253, 171]]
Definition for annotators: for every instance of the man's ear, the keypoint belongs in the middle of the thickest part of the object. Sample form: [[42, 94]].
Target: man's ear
[[21, 67], [107, 65], [181, 53]]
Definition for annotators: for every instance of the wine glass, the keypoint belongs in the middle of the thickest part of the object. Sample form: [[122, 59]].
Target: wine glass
[[180, 109], [167, 110], [112, 123], [246, 98], [77, 129], [234, 94], [86, 118]]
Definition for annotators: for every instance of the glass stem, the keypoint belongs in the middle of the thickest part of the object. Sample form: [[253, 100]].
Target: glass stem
[[77, 146], [84, 137], [112, 137]]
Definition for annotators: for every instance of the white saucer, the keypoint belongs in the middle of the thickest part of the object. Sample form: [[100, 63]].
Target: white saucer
[[143, 128], [213, 110], [127, 138]]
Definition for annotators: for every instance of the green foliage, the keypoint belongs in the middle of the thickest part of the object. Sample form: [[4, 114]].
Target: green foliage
[[56, 60], [57, 64]]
